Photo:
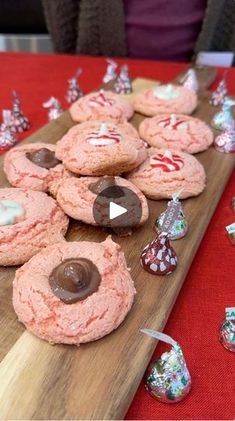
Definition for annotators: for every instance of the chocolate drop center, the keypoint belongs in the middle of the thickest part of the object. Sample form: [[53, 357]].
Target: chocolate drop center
[[107, 187], [74, 280], [102, 184], [43, 158]]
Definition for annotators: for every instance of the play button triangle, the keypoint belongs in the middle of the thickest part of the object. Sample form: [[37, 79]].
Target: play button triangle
[[116, 210]]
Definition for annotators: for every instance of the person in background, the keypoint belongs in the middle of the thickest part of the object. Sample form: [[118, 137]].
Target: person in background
[[155, 29]]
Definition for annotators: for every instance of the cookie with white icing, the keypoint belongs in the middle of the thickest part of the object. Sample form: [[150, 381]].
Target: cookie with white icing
[[164, 99], [176, 131]]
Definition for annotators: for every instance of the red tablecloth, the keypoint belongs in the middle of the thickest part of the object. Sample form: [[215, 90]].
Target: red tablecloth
[[209, 286]]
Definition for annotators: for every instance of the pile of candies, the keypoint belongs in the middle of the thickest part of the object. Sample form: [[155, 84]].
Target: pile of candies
[[122, 83]]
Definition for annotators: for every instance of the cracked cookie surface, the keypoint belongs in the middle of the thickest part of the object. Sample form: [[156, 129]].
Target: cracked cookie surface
[[87, 320], [165, 172], [43, 223], [148, 104], [101, 148], [179, 132], [77, 200], [21, 172], [101, 105]]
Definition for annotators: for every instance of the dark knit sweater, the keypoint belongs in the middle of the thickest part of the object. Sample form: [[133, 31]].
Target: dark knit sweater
[[97, 27]]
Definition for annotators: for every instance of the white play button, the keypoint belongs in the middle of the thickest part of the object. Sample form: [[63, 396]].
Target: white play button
[[117, 207], [115, 210]]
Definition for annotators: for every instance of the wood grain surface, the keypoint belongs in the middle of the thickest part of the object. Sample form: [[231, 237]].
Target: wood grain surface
[[98, 380]]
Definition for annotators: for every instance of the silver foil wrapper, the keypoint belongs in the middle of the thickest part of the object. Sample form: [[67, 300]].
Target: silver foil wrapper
[[110, 72], [227, 334], [19, 122], [74, 91], [224, 118], [219, 95], [190, 80], [123, 84], [168, 379], [7, 135], [54, 108], [179, 228], [225, 142]]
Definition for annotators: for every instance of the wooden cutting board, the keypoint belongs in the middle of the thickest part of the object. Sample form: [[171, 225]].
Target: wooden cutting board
[[98, 380]]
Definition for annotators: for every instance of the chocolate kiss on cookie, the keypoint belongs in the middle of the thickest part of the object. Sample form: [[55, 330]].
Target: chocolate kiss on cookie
[[43, 158], [158, 257], [74, 280], [107, 187]]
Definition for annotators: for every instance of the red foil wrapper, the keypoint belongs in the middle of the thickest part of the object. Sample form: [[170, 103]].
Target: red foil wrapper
[[158, 257]]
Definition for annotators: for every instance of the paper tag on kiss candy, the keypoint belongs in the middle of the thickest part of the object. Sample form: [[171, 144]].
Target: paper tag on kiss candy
[[172, 213], [161, 337], [230, 313]]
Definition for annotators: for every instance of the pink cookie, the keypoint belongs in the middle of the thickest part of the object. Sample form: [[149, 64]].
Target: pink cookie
[[34, 166], [165, 99], [29, 221], [74, 292], [102, 105], [76, 133], [77, 196], [166, 172], [97, 148], [179, 132]]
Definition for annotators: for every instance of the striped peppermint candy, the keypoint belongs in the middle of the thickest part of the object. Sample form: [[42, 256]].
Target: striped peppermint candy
[[100, 100], [104, 136], [173, 123], [167, 162]]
